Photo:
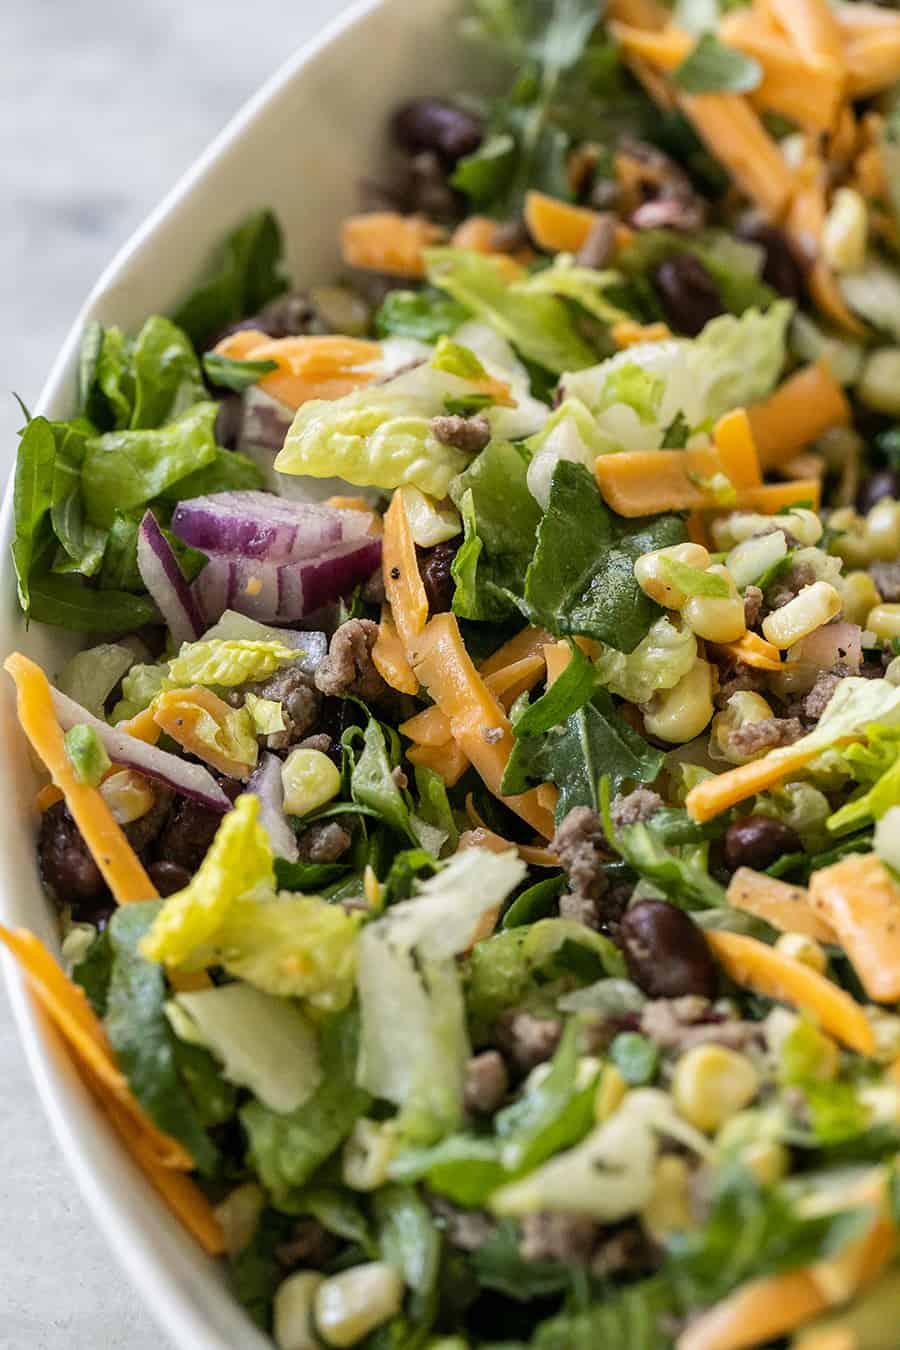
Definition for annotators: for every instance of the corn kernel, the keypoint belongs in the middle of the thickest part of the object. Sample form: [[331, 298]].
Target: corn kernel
[[814, 606], [239, 1214], [716, 618], [846, 231], [128, 795], [804, 949], [884, 621], [310, 779], [860, 595], [879, 384], [712, 1083], [882, 1102], [609, 1094], [752, 557], [678, 715], [883, 530], [293, 1311], [350, 1305], [367, 1153], [766, 1159], [741, 709], [669, 1206], [647, 572]]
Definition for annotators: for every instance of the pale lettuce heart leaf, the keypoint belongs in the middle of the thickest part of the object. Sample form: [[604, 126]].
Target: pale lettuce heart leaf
[[659, 661], [264, 1043], [228, 662], [442, 919], [570, 432], [586, 285], [638, 394], [380, 435], [538, 324], [139, 688], [499, 359]]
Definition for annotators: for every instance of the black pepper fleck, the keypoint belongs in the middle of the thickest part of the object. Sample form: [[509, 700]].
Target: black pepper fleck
[[395, 573]]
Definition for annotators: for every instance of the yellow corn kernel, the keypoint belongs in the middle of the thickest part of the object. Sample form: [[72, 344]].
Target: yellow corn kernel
[[716, 618], [678, 715], [741, 709], [766, 1159], [310, 779], [884, 621], [293, 1311], [846, 231], [609, 1093], [127, 794], [351, 1304], [239, 1215], [815, 605], [879, 384], [882, 1102], [669, 1206], [860, 596], [804, 949], [883, 530], [711, 1083], [367, 1153], [647, 572]]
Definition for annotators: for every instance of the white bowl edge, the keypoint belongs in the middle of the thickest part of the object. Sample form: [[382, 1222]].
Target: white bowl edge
[[182, 1289]]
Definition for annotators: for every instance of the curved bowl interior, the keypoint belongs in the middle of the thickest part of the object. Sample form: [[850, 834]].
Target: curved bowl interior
[[300, 146]]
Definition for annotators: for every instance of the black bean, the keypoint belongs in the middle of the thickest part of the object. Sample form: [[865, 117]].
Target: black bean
[[781, 268], [229, 420], [434, 567], [665, 951], [191, 829], [757, 842], [883, 483], [690, 297], [168, 877], [432, 124], [67, 866]]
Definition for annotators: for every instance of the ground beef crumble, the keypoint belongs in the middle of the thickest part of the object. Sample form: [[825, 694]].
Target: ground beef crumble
[[469, 434], [348, 668], [754, 738]]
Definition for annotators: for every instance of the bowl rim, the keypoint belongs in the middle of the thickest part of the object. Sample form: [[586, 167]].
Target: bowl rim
[[83, 1138]]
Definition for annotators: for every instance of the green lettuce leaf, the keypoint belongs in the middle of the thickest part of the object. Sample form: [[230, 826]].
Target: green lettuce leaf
[[83, 543], [425, 315], [569, 692], [227, 662], [286, 1149], [246, 276], [592, 742], [498, 1265], [142, 1038], [538, 324], [227, 471], [548, 1117], [500, 521], [586, 285], [124, 470], [141, 382], [32, 499], [581, 580], [679, 870], [69, 602], [734, 265]]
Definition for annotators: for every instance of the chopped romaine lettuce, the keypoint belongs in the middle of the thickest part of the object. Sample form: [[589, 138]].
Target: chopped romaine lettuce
[[658, 662], [500, 520], [569, 433], [223, 662], [90, 676], [139, 688]]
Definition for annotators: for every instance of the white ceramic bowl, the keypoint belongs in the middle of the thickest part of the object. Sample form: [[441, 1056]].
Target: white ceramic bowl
[[300, 146]]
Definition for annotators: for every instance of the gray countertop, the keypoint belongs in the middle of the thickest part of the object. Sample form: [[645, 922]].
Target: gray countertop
[[106, 104]]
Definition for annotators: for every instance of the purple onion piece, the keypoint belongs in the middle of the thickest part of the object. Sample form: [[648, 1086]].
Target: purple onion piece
[[165, 582], [266, 420], [191, 780], [260, 525], [265, 783]]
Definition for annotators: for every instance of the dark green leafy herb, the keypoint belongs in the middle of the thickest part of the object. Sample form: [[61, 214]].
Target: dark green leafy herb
[[84, 544], [32, 499], [434, 805], [227, 471], [582, 577], [94, 970], [554, 1115], [227, 373], [286, 1149], [256, 1271], [427, 315], [592, 742], [371, 781], [463, 1167], [569, 692], [142, 1039], [682, 876], [710, 67], [752, 1230], [498, 1265], [69, 603], [629, 1317], [408, 867], [307, 877], [537, 902], [248, 275]]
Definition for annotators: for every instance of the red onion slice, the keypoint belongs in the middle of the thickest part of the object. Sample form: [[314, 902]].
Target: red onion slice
[[265, 783], [191, 780], [261, 525], [273, 592], [266, 421], [165, 581]]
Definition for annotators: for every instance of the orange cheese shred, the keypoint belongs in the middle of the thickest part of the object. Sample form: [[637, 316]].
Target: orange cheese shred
[[121, 868], [808, 403], [512, 680], [646, 482], [628, 333], [47, 796], [479, 725], [753, 650], [860, 900], [481, 837], [429, 727], [771, 498], [780, 905], [527, 642], [756, 1313], [84, 1035], [385, 241], [403, 585], [313, 366], [812, 27], [736, 443], [143, 726], [182, 712], [449, 761], [389, 657], [557, 226], [714, 795], [766, 970], [873, 61]]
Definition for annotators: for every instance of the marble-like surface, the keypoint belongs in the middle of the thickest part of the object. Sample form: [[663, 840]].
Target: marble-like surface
[[105, 104]]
